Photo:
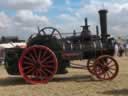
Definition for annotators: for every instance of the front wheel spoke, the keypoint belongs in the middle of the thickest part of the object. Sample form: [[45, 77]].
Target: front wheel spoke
[[109, 62], [104, 75], [102, 61], [110, 72], [111, 65], [108, 75], [112, 68], [91, 65], [99, 70]]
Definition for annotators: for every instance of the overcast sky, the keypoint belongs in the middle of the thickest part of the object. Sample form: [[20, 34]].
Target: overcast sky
[[21, 17]]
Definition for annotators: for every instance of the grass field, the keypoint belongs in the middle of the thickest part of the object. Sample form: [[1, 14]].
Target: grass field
[[76, 83]]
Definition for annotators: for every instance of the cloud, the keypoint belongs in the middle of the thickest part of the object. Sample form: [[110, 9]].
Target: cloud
[[36, 5], [23, 24], [5, 21], [117, 16], [67, 18], [25, 20], [67, 2], [29, 19]]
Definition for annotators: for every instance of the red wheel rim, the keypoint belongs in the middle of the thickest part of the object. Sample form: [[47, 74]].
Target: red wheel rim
[[90, 66], [106, 68], [38, 64]]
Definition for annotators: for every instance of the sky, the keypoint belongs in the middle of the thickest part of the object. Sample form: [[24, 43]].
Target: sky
[[21, 17]]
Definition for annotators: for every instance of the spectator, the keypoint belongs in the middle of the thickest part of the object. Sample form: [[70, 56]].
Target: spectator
[[126, 49], [116, 49], [121, 50]]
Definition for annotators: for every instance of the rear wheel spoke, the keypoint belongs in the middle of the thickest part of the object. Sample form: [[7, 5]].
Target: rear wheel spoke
[[49, 71], [44, 74], [39, 55], [33, 58], [35, 52], [44, 54], [49, 66], [27, 58], [29, 71], [45, 59], [28, 67], [28, 63], [48, 62]]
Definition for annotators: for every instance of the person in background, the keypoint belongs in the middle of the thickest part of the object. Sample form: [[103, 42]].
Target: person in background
[[126, 49], [116, 49], [121, 49]]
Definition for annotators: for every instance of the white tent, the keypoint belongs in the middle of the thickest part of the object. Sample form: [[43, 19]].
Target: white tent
[[12, 45], [9, 45]]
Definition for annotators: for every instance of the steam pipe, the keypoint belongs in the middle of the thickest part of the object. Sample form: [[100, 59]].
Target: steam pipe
[[97, 30]]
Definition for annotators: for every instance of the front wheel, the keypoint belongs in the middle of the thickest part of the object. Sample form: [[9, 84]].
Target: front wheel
[[90, 66], [106, 67], [38, 64]]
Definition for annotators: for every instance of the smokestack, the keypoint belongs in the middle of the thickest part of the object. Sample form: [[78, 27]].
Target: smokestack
[[103, 23]]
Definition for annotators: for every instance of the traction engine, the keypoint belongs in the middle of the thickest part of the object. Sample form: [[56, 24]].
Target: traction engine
[[48, 53]]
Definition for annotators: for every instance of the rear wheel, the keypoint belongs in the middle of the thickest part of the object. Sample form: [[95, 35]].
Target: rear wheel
[[38, 64]]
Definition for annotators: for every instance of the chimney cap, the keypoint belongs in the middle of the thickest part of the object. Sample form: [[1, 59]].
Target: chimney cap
[[103, 11]]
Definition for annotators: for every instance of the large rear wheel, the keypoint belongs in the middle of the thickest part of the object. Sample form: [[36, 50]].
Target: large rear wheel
[[38, 64]]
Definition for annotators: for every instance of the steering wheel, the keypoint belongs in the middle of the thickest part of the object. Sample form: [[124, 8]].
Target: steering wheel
[[52, 31]]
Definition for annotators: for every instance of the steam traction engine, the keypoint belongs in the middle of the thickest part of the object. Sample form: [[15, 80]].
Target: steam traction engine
[[46, 54]]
